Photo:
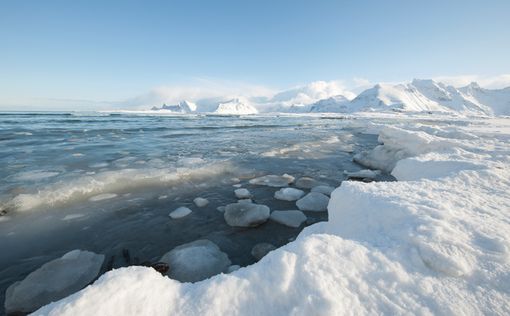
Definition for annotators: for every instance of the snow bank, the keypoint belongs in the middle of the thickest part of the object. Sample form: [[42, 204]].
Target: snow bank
[[436, 242]]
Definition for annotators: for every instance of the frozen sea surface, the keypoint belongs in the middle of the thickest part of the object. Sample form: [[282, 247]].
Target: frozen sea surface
[[107, 182]]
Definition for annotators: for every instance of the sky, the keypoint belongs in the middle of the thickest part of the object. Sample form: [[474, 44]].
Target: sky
[[93, 54]]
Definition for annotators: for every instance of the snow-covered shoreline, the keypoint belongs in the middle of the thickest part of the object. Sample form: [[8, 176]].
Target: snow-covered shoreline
[[435, 242]]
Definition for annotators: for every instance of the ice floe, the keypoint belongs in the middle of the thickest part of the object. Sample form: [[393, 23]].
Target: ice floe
[[273, 180], [242, 193], [53, 280], [180, 212], [288, 218], [313, 201], [200, 202], [246, 214], [196, 261], [288, 194], [306, 183], [324, 189]]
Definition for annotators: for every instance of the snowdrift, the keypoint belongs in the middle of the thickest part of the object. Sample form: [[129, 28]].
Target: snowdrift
[[436, 242]]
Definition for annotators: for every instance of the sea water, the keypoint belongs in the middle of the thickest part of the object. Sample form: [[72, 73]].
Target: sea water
[[106, 182]]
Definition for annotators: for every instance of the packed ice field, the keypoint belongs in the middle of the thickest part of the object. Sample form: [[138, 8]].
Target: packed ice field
[[374, 213]]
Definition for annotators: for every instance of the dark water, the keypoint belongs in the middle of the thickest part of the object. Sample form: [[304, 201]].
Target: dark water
[[52, 164]]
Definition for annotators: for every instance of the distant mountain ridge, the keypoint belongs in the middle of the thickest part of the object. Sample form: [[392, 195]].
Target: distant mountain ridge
[[420, 95]]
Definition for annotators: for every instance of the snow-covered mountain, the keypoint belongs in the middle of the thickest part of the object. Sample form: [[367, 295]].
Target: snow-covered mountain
[[181, 107], [322, 97], [236, 106], [431, 96], [498, 101], [335, 104]]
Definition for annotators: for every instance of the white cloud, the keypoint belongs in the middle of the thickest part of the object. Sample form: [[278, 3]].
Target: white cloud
[[200, 88]]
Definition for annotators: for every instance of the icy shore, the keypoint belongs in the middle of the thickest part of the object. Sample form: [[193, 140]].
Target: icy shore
[[435, 242]]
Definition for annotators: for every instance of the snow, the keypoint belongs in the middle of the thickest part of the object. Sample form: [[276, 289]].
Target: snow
[[288, 218], [180, 212], [200, 202], [288, 194], [246, 214], [436, 242], [313, 201], [195, 261], [53, 280]]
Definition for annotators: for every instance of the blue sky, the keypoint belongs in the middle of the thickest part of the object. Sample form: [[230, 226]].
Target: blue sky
[[118, 50]]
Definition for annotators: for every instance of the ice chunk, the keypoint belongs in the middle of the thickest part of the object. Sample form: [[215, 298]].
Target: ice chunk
[[363, 174], [288, 218], [246, 214], [242, 193], [324, 189], [101, 197], [200, 202], [72, 216], [313, 201], [53, 280], [245, 201], [221, 209], [180, 212], [196, 261], [260, 250], [306, 183], [273, 180], [288, 194]]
